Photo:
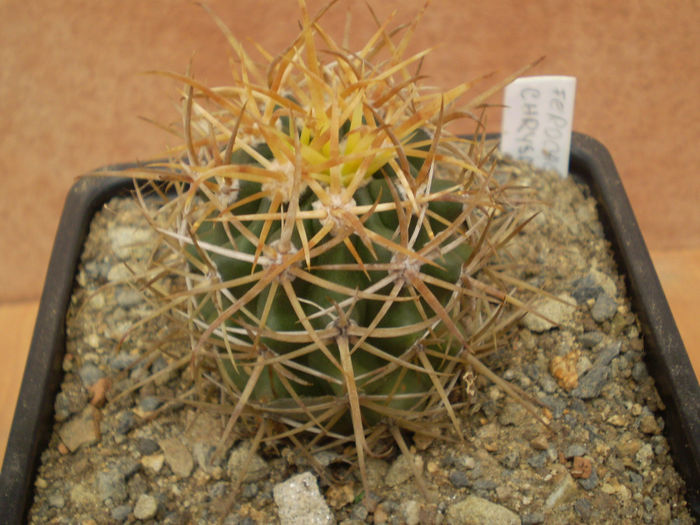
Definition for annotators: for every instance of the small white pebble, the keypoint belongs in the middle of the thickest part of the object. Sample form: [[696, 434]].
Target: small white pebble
[[146, 507]]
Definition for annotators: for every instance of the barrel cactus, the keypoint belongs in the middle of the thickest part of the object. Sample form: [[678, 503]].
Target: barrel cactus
[[333, 241]]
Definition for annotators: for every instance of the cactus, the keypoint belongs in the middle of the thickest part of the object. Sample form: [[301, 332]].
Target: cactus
[[334, 239]]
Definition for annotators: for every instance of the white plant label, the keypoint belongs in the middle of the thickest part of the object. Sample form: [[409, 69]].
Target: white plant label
[[537, 121]]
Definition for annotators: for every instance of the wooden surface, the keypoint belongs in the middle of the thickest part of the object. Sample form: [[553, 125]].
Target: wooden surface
[[16, 327]]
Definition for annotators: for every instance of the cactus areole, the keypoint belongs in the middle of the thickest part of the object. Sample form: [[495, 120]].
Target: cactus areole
[[334, 240]]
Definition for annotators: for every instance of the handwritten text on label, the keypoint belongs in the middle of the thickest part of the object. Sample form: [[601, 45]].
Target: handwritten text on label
[[537, 121]]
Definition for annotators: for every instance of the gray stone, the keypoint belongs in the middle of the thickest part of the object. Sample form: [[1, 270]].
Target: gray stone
[[122, 361], [648, 424], [586, 288], [607, 354], [56, 500], [149, 403], [90, 374], [159, 364], [111, 485], [565, 490], [249, 490], [219, 489], [181, 518], [146, 446], [326, 457], [547, 383], [131, 241], [411, 512], [584, 293], [583, 365], [203, 454], [177, 457], [474, 510], [300, 502], [245, 520], [468, 462], [556, 312], [84, 495], [590, 482], [488, 433], [72, 399], [592, 382], [376, 471], [121, 512], [591, 339], [401, 470], [128, 466], [485, 484], [604, 308], [119, 272], [634, 477], [538, 460], [574, 451], [206, 428], [606, 282], [127, 297], [533, 519], [583, 508], [146, 507], [82, 430], [592, 285], [125, 422], [256, 470], [459, 479], [514, 414], [153, 463], [644, 455], [511, 459], [639, 372], [555, 404], [63, 409], [359, 513]]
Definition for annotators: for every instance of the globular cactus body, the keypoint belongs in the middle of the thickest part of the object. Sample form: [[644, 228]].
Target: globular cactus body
[[331, 234]]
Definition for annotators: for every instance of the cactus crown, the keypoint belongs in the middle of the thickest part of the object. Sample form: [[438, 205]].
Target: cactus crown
[[333, 241]]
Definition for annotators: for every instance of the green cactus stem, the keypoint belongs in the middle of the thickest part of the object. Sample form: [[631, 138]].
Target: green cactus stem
[[331, 234]]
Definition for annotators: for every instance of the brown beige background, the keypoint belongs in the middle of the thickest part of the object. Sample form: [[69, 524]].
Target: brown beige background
[[72, 89]]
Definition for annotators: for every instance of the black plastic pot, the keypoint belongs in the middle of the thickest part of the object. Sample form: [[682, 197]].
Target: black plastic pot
[[667, 359]]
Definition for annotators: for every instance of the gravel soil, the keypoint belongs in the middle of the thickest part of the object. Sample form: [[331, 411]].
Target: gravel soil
[[140, 459]]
